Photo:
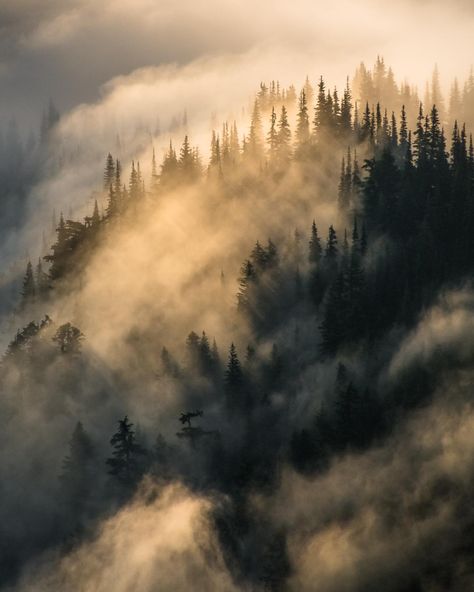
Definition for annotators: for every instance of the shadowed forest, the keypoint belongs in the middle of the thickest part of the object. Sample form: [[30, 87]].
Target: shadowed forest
[[247, 365]]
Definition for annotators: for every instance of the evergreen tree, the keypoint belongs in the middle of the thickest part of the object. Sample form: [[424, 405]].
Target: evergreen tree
[[234, 380], [68, 338], [154, 181], [346, 111], [331, 251], [95, 218], [187, 163], [254, 144], [169, 168], [315, 249], [284, 139], [76, 472], [42, 283], [126, 462], [272, 138], [302, 125], [28, 291], [109, 172]]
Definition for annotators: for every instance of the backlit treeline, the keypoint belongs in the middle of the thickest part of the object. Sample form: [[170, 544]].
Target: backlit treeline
[[401, 186]]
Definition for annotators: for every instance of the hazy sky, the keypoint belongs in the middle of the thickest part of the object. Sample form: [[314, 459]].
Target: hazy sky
[[67, 49]]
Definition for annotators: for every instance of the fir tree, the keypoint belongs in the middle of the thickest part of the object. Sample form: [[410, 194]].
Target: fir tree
[[302, 125], [109, 172], [272, 138], [77, 468], [234, 380], [315, 249], [284, 139], [28, 291], [331, 251], [126, 462]]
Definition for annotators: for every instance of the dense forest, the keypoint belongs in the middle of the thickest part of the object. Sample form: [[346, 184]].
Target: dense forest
[[292, 302]]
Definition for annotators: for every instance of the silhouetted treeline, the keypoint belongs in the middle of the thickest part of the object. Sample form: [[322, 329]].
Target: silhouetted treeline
[[310, 298]]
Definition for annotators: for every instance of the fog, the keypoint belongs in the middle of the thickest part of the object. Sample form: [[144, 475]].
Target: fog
[[128, 78], [68, 51]]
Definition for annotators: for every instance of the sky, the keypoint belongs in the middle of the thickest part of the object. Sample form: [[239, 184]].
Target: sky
[[69, 49]]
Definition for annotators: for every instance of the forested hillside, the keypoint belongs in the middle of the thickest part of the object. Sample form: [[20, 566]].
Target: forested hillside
[[278, 328]]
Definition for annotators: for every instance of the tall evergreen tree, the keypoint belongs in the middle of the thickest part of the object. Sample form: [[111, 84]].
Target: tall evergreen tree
[[28, 291], [76, 475], [315, 250], [331, 251], [109, 172], [126, 462], [302, 122]]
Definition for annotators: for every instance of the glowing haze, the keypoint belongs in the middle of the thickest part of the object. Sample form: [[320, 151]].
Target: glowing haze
[[128, 76]]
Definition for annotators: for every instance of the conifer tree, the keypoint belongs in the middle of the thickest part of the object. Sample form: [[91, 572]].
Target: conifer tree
[[169, 168], [77, 468], [109, 172], [403, 131], [234, 379], [272, 138], [346, 111], [331, 252], [42, 283], [154, 181], [126, 462], [112, 205], [28, 291], [69, 339], [254, 146], [302, 125], [315, 249], [284, 139], [95, 219], [321, 116]]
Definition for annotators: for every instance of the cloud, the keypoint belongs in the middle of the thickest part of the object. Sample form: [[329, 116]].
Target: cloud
[[162, 540], [78, 46], [390, 516], [444, 333]]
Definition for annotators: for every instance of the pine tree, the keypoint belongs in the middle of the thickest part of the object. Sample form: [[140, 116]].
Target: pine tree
[[77, 468], [42, 283], [95, 219], [134, 188], [192, 347], [272, 138], [346, 111], [169, 168], [309, 92], [419, 147], [126, 462], [206, 362], [246, 280], [302, 125], [255, 140], [234, 380], [109, 172], [112, 208], [117, 189], [321, 119], [315, 250], [284, 139], [331, 252], [403, 132], [28, 291], [68, 338], [154, 181], [187, 164]]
